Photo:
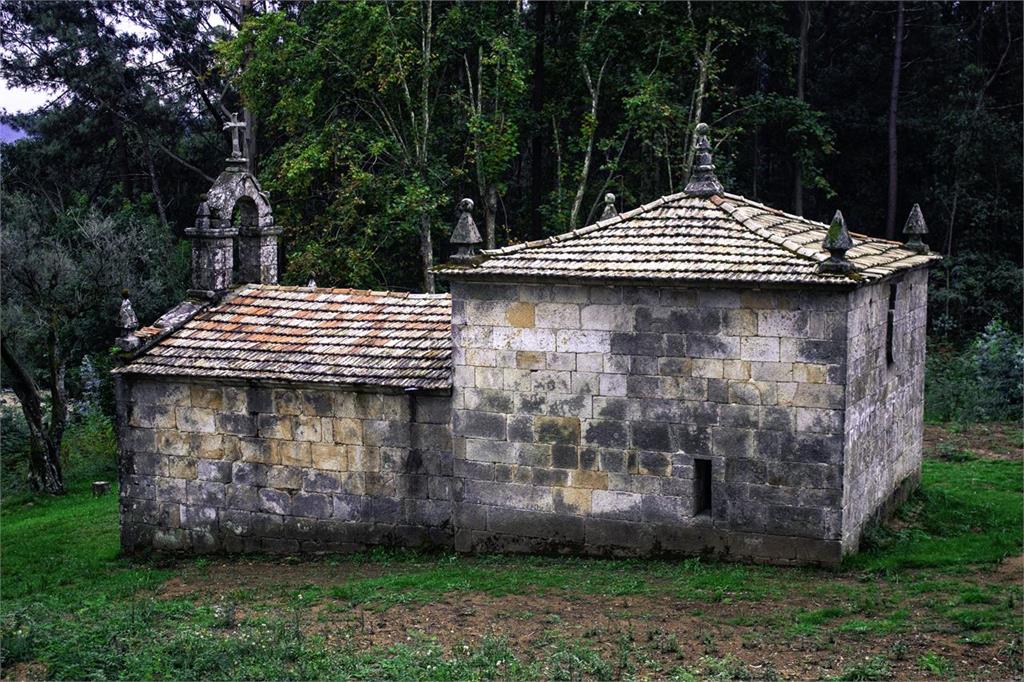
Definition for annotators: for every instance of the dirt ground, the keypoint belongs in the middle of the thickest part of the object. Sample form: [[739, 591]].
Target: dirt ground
[[658, 632]]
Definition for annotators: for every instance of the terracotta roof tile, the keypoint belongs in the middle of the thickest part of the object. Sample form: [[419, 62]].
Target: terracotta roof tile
[[681, 238], [339, 336]]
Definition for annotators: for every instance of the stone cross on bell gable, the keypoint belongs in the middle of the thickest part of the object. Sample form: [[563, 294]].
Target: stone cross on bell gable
[[236, 127]]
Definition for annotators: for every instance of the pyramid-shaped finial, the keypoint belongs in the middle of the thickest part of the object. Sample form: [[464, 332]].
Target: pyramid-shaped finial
[[837, 241], [609, 207], [703, 182], [204, 221], [465, 236], [914, 228]]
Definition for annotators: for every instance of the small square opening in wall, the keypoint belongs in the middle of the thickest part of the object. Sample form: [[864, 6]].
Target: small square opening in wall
[[701, 486]]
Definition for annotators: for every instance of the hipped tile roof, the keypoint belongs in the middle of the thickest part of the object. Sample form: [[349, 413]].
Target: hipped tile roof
[[337, 336], [684, 238]]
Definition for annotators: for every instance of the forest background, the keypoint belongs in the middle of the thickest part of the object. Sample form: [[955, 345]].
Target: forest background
[[369, 121]]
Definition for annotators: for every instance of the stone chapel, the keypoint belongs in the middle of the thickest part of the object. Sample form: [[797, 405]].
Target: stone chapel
[[700, 375]]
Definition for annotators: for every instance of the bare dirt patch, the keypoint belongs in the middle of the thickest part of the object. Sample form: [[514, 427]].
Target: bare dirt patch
[[221, 577], [993, 440], [30, 670], [656, 633]]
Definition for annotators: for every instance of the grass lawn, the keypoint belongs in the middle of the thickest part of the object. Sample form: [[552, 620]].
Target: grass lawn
[[936, 595]]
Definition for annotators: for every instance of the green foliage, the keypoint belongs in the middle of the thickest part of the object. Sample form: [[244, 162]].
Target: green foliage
[[981, 382]]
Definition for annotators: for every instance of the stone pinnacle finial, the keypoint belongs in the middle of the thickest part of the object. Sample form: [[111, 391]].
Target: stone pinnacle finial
[[703, 182], [465, 236], [203, 220], [838, 242], [129, 323], [609, 207], [914, 228]]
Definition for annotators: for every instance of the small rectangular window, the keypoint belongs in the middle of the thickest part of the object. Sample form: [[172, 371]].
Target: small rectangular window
[[701, 486], [890, 323]]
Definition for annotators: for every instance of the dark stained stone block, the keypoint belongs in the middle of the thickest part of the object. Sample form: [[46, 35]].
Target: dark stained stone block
[[474, 424], [259, 400], [551, 477], [709, 346], [728, 442], [241, 497], [321, 481], [770, 444], [249, 473], [471, 516], [651, 436], [718, 390], [385, 510], [613, 408], [214, 470], [565, 457], [205, 493], [741, 470], [814, 448], [643, 365], [608, 434], [664, 509], [801, 521], [697, 321], [655, 463], [559, 527], [520, 429], [589, 458], [824, 352], [275, 501], [313, 505], [560, 430], [613, 461], [236, 424], [804, 475], [531, 403], [637, 344], [607, 533], [739, 416], [351, 507], [776, 418], [643, 386]]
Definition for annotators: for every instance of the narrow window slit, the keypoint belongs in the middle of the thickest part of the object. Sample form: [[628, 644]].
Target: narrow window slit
[[890, 323], [701, 486]]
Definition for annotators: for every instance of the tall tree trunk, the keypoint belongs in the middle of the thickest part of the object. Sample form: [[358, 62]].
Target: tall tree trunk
[[594, 87], [697, 107], [44, 453], [490, 215], [538, 95], [798, 175], [894, 96], [426, 253], [158, 196]]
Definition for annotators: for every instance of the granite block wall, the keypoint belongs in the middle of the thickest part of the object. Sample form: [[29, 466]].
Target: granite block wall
[[579, 413], [213, 467], [884, 398]]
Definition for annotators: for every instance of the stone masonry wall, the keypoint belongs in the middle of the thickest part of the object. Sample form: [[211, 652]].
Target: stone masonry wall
[[578, 412], [885, 401], [209, 467]]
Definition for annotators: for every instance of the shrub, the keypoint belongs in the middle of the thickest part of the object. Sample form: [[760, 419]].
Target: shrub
[[980, 382]]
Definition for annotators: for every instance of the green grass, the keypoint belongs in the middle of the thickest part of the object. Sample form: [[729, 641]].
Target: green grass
[[71, 603], [966, 512]]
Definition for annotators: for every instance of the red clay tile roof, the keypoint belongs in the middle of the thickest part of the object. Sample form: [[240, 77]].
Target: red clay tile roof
[[337, 336], [682, 238]]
